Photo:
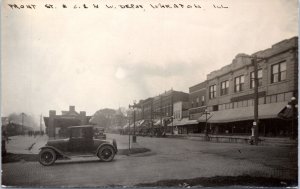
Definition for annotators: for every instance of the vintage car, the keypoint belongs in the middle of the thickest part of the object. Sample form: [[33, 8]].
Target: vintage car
[[80, 143]]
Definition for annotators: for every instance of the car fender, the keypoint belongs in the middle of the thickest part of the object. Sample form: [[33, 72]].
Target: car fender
[[106, 144], [57, 151]]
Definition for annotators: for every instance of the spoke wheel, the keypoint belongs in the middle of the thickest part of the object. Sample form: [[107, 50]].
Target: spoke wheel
[[106, 153], [47, 157]]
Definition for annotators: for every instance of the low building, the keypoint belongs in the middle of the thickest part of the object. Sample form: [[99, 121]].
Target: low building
[[56, 125], [181, 123]]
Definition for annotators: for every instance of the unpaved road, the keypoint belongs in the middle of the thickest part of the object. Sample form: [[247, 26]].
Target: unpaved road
[[168, 159]]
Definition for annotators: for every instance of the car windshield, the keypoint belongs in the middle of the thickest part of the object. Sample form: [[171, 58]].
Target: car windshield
[[81, 133]]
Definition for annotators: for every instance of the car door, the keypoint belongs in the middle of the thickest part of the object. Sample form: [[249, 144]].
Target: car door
[[80, 142], [76, 140]]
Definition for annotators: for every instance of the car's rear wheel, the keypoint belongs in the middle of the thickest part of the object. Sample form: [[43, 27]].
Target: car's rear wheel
[[106, 153], [47, 157]]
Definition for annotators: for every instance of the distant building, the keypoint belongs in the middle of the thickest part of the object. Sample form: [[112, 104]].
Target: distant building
[[156, 112], [198, 100], [56, 125], [181, 121]]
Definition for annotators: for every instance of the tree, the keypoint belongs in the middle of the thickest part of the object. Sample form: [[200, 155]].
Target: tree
[[103, 117]]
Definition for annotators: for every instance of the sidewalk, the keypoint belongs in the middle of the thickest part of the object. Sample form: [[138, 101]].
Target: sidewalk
[[25, 144], [237, 139]]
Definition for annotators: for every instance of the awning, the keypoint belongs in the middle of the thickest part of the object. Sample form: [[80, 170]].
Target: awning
[[140, 123], [184, 121], [156, 122], [265, 111], [125, 126]]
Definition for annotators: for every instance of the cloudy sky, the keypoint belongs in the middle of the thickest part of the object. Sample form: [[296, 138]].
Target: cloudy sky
[[97, 58]]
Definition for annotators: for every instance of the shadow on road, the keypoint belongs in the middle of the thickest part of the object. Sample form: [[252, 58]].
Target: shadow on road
[[244, 180]]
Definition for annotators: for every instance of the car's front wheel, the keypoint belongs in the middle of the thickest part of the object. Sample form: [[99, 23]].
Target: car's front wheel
[[47, 157], [106, 153]]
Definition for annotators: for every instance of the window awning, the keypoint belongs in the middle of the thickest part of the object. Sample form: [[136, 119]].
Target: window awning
[[140, 123], [125, 126], [184, 121], [265, 111]]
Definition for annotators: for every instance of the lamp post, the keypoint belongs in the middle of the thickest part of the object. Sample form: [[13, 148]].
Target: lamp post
[[134, 106], [293, 105], [172, 124], [206, 125]]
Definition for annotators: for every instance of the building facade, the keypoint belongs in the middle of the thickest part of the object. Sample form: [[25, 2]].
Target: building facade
[[56, 125], [230, 91], [198, 100]]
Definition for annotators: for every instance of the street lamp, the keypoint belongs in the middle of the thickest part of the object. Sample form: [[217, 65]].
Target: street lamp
[[206, 112], [134, 106]]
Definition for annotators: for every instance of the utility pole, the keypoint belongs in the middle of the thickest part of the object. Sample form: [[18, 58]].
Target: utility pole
[[254, 62], [134, 106], [23, 114], [172, 102], [256, 121], [160, 110], [41, 119], [128, 133], [151, 118]]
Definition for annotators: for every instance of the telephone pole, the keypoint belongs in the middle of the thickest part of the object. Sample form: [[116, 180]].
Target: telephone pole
[[23, 114], [256, 121], [41, 120], [134, 106], [254, 62]]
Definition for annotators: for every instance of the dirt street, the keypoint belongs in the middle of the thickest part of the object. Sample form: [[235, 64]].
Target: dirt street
[[169, 159]]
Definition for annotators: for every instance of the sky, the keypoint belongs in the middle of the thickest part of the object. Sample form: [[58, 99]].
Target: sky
[[106, 58]]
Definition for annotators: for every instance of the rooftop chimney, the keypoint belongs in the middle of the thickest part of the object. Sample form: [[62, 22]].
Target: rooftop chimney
[[72, 108]]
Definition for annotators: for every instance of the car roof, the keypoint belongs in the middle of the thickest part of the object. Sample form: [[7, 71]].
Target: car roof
[[81, 126]]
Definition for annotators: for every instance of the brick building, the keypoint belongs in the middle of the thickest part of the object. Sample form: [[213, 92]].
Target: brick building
[[56, 125], [198, 100], [155, 112], [230, 92]]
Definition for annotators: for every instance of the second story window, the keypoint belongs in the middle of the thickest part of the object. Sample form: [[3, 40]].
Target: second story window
[[212, 91], [278, 72], [239, 83], [224, 87], [259, 77]]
